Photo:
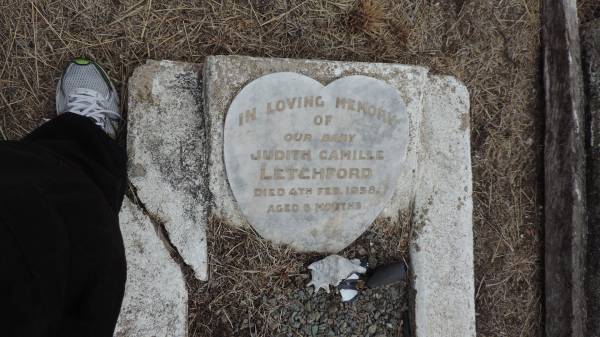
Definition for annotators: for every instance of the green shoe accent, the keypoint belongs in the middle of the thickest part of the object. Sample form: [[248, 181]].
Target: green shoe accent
[[82, 61]]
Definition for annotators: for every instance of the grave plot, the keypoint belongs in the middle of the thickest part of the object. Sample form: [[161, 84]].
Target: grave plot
[[493, 47], [259, 167]]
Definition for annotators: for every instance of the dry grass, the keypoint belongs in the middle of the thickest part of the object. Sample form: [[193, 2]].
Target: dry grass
[[366, 16], [244, 270], [250, 279], [588, 10], [491, 45]]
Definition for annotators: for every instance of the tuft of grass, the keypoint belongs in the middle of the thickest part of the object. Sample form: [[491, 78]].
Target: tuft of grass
[[366, 16]]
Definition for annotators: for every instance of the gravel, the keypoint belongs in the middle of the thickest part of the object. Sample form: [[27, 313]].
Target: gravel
[[260, 290], [374, 312]]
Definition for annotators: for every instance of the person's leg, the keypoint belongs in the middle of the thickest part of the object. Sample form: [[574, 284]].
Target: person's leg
[[82, 144], [62, 264]]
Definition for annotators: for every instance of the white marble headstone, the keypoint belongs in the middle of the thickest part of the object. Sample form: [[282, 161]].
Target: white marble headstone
[[310, 165]]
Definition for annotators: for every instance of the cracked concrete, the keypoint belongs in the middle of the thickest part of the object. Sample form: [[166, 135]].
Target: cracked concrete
[[167, 158], [155, 302]]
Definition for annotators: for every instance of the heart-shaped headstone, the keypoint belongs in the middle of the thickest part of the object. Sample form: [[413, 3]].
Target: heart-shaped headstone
[[311, 165]]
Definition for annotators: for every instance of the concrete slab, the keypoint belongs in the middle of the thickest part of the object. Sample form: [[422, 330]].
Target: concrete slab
[[155, 302], [167, 157], [227, 75], [441, 251]]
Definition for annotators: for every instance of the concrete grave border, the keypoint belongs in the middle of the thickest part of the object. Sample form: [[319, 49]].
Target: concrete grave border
[[165, 94]]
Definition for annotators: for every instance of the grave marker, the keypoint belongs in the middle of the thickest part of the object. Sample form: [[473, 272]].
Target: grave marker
[[309, 164]]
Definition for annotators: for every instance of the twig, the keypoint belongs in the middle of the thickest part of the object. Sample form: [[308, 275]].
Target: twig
[[35, 49], [51, 27], [10, 48], [282, 14], [146, 19], [129, 12]]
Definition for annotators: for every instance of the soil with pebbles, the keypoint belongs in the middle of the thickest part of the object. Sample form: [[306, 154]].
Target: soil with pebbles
[[374, 312], [300, 312], [260, 290]]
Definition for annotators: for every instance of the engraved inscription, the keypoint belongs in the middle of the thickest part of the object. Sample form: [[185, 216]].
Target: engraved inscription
[[304, 160]]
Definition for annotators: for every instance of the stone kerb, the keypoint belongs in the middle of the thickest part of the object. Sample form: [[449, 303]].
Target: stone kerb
[[177, 154]]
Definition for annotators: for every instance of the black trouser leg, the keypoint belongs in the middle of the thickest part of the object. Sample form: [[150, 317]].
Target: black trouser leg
[[62, 261]]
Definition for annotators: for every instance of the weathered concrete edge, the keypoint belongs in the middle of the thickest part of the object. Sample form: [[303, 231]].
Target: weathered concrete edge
[[155, 300], [441, 251], [153, 184]]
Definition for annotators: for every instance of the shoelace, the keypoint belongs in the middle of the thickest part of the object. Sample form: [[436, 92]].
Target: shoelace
[[90, 103]]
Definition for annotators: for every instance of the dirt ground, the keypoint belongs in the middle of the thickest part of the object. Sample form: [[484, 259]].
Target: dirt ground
[[257, 289], [588, 10], [491, 45]]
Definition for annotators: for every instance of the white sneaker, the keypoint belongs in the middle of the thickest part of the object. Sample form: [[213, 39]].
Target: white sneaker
[[85, 89]]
